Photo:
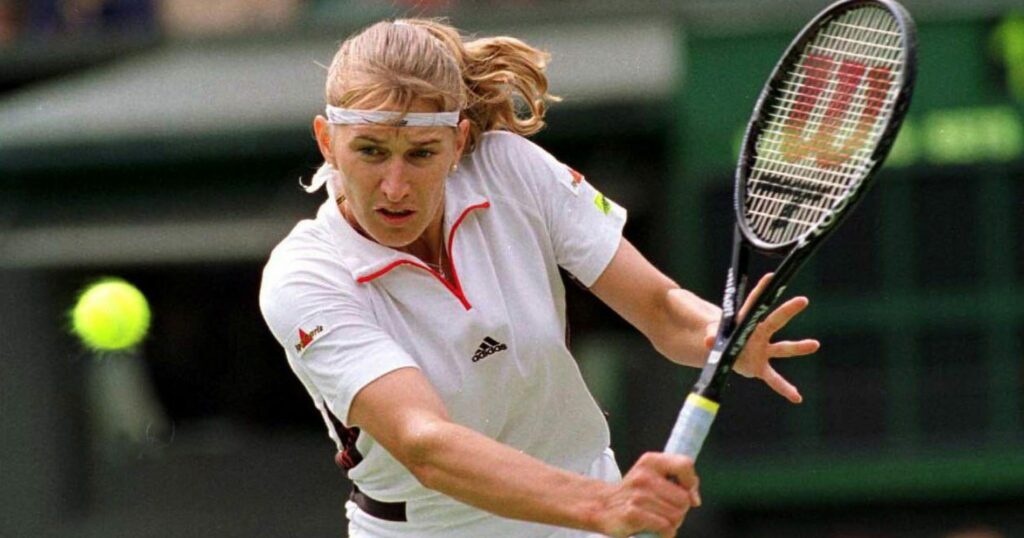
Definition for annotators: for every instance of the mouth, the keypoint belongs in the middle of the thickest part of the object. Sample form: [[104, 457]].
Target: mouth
[[395, 216]]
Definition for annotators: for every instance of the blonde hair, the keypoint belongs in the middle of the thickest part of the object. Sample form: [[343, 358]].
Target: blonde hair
[[497, 83]]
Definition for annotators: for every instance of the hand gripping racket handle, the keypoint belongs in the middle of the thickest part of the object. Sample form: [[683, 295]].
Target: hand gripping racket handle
[[691, 429]]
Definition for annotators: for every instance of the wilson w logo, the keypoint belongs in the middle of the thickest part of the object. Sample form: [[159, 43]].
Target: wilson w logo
[[857, 96]]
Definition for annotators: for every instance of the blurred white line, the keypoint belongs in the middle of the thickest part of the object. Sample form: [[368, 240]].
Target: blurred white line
[[182, 91], [140, 244]]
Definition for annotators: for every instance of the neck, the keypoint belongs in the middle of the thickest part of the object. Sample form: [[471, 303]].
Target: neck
[[430, 246]]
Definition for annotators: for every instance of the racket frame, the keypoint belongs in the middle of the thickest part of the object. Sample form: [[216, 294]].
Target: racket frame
[[758, 122], [733, 333], [701, 406], [698, 412]]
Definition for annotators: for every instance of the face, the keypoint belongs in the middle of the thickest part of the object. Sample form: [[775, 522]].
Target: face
[[394, 177]]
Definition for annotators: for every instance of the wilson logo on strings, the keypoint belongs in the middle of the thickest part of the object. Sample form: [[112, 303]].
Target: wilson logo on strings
[[825, 143]]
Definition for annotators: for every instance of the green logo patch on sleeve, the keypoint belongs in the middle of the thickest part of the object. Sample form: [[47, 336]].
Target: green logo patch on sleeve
[[602, 203]]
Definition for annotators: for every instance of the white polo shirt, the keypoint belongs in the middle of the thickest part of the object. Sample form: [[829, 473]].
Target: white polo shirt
[[348, 310]]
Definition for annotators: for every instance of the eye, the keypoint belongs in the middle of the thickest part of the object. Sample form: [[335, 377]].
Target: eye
[[370, 151], [422, 153]]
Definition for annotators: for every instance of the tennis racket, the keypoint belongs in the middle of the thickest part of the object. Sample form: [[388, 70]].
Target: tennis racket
[[821, 128]]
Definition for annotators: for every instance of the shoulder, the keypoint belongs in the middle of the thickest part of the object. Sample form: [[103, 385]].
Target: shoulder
[[510, 149], [305, 251], [514, 160], [303, 274]]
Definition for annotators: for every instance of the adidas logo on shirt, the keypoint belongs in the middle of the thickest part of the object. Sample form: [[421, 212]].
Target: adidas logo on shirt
[[487, 348]]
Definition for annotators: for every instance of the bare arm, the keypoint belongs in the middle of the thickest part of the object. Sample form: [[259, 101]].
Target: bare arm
[[676, 321], [682, 326], [406, 416]]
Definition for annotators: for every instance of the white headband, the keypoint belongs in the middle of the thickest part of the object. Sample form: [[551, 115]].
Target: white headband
[[348, 116]]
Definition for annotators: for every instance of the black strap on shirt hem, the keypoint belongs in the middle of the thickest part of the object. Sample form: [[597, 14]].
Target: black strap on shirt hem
[[378, 509]]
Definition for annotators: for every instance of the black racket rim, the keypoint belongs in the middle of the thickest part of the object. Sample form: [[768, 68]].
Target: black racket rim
[[893, 122]]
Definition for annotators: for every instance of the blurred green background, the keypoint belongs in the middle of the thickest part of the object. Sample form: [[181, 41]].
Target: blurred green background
[[162, 141]]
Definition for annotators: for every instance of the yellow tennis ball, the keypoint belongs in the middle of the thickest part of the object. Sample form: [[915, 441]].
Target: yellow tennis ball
[[110, 315]]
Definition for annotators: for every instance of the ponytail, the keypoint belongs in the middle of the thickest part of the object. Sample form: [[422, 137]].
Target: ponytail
[[503, 78]]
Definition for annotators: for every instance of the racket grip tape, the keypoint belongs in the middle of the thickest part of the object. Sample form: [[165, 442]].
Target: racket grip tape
[[688, 434], [692, 426]]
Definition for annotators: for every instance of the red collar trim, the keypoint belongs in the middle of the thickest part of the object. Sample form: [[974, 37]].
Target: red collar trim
[[454, 285]]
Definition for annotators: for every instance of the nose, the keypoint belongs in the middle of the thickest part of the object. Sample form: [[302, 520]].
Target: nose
[[394, 185]]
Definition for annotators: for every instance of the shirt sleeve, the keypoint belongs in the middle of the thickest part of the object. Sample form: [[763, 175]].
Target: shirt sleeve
[[585, 226], [330, 335]]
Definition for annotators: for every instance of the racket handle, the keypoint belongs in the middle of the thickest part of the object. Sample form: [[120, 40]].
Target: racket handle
[[692, 426], [688, 434]]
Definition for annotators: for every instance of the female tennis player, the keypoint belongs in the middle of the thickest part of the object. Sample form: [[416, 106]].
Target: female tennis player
[[423, 310]]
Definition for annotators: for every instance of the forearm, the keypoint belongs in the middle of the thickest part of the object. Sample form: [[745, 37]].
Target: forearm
[[484, 473], [405, 415], [681, 326], [673, 319]]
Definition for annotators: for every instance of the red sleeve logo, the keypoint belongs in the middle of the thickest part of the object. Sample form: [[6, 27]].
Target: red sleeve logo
[[307, 338], [576, 178]]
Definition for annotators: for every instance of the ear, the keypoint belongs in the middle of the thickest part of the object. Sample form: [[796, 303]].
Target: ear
[[322, 131], [461, 138]]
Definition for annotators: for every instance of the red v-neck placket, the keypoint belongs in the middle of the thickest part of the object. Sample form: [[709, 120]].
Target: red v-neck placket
[[453, 285]]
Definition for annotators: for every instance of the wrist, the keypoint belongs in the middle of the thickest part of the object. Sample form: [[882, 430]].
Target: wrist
[[594, 508]]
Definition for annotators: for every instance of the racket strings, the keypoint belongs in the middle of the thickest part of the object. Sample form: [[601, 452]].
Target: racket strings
[[836, 180], [822, 120], [789, 95], [858, 42]]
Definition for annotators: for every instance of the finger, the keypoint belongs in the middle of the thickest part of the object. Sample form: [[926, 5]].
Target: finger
[[655, 503], [780, 385], [649, 522], [787, 348], [662, 493], [754, 293], [711, 330], [709, 341], [676, 523], [668, 519], [653, 511], [681, 471], [782, 315], [675, 471], [695, 499]]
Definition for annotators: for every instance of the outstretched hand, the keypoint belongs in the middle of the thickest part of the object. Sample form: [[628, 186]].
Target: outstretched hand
[[755, 359]]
